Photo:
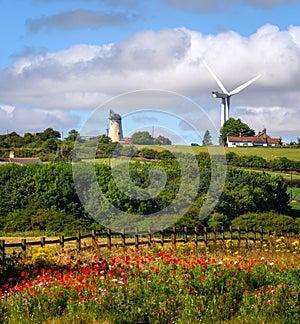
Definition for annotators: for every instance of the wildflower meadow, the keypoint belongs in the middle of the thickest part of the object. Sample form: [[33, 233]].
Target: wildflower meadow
[[156, 284]]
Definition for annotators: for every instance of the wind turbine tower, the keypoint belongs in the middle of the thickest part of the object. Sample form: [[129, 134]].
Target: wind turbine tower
[[225, 95]]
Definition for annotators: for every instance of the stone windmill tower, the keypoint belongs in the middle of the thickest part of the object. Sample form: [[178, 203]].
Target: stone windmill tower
[[115, 127]]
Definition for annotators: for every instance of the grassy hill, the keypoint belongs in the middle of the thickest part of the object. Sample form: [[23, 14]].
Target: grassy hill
[[268, 153]]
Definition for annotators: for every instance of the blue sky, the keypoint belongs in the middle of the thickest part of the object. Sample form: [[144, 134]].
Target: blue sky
[[61, 60]]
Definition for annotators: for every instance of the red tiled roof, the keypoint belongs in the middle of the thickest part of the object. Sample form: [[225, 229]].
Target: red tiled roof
[[254, 139]]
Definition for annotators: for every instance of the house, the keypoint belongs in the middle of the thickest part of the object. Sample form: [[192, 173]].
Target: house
[[261, 139], [21, 161]]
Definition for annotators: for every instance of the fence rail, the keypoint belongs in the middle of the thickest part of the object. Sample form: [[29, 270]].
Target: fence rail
[[199, 236]]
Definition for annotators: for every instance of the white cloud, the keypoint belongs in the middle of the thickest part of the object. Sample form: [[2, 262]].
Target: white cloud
[[8, 110], [86, 76], [23, 120]]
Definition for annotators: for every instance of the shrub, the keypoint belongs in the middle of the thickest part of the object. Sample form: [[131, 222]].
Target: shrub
[[217, 220], [43, 258], [269, 221]]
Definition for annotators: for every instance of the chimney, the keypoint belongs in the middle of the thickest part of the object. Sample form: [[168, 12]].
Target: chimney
[[12, 155]]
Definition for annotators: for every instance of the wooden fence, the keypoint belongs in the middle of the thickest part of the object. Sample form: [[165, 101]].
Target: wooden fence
[[199, 236]]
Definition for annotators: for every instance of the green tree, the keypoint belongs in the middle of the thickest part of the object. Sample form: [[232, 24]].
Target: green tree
[[50, 145], [246, 191], [14, 140], [49, 133], [104, 139], [161, 140], [234, 127], [141, 138], [72, 135], [206, 138], [217, 220]]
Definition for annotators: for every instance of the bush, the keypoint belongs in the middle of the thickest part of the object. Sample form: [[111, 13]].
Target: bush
[[147, 153], [43, 258], [217, 220], [269, 221]]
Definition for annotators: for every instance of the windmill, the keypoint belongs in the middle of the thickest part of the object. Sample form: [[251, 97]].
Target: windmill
[[115, 131], [225, 95]]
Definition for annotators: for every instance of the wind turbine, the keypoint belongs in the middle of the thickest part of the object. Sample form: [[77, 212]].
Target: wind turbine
[[225, 95]]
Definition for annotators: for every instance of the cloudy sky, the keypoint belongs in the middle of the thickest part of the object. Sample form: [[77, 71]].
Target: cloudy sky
[[61, 60]]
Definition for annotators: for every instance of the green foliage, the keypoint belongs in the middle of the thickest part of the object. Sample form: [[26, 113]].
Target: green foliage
[[207, 138], [43, 197], [50, 145], [148, 153], [72, 135], [141, 138], [234, 127], [107, 150], [33, 196], [144, 138], [254, 161], [247, 191], [269, 221], [161, 140], [12, 268], [217, 220], [49, 133]]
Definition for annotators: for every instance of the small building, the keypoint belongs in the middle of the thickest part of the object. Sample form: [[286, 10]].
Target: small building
[[261, 139], [21, 161], [125, 140]]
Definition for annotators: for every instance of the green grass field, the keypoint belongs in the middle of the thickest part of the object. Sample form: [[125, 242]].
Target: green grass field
[[268, 153]]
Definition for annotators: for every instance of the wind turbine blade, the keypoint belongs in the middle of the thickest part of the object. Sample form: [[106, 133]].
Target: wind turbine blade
[[216, 78], [243, 86]]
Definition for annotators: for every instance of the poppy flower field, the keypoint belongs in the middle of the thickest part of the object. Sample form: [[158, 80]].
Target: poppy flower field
[[155, 285]]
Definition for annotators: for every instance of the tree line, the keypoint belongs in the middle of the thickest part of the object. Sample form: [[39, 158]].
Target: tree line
[[258, 162], [49, 144], [43, 197]]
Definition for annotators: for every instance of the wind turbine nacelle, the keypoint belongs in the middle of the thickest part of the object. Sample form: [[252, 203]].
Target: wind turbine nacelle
[[217, 94]]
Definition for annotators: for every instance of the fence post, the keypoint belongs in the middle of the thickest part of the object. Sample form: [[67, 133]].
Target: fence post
[[162, 237], [268, 236], [149, 237], [196, 235], [2, 251], [43, 241], [174, 236], [261, 237], [247, 237], [223, 235], [239, 236], [205, 236], [136, 238], [185, 232], [94, 238], [62, 241], [23, 242], [123, 242], [109, 238], [78, 241], [215, 236]]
